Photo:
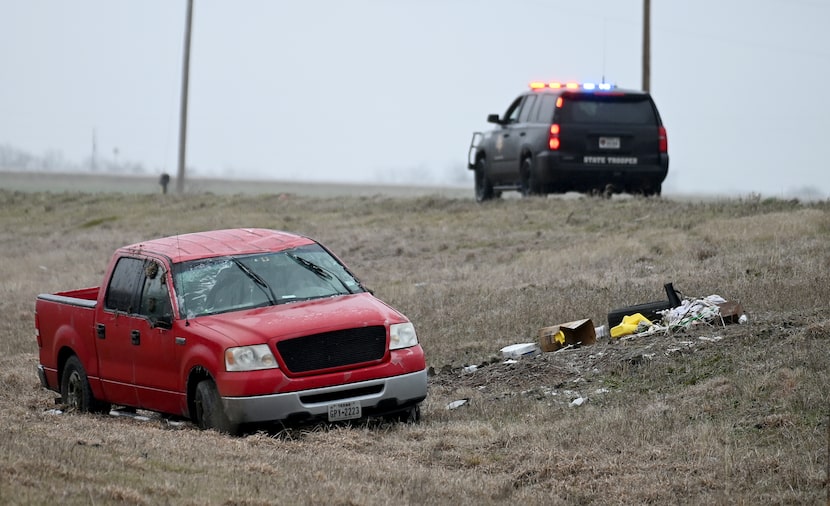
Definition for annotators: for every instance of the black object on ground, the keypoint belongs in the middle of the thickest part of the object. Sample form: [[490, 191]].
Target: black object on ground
[[648, 309]]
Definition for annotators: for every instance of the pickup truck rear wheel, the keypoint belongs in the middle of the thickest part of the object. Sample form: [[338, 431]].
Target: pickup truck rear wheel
[[76, 393], [210, 414]]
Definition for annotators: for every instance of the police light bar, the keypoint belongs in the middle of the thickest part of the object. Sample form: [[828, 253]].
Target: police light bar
[[539, 85]]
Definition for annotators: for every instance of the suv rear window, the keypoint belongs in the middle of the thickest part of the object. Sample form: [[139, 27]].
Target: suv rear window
[[626, 110]]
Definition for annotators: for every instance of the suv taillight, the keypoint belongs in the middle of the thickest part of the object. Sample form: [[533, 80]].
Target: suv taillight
[[553, 137], [664, 141]]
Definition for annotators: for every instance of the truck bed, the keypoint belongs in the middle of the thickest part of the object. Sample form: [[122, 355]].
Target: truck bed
[[66, 319], [84, 297]]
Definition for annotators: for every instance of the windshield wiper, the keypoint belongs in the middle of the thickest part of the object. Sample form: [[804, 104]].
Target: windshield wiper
[[256, 278], [320, 271]]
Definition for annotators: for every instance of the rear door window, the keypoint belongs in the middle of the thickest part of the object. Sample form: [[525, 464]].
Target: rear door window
[[605, 109], [524, 117], [544, 113]]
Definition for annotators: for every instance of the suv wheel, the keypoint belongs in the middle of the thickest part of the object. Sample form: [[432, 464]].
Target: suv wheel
[[653, 190], [529, 184], [484, 187]]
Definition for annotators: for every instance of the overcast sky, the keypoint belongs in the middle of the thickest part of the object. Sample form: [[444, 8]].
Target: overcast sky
[[391, 90]]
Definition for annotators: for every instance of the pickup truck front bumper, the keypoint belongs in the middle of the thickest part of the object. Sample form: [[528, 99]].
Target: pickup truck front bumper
[[376, 397]]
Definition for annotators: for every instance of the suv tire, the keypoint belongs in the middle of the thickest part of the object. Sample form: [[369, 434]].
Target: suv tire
[[529, 183], [483, 185]]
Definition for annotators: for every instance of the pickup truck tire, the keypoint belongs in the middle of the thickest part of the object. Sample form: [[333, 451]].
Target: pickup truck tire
[[209, 411], [76, 393]]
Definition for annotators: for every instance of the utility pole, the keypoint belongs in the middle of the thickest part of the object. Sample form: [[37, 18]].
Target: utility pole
[[646, 45], [183, 112]]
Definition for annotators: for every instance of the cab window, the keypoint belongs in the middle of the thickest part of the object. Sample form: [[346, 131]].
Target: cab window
[[123, 285], [512, 114]]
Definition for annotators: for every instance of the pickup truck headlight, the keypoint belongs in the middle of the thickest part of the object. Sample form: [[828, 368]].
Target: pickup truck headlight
[[402, 335], [250, 358]]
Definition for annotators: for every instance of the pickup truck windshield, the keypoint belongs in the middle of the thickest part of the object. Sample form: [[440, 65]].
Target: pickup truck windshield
[[223, 284]]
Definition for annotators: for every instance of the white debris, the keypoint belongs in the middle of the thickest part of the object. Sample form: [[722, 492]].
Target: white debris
[[470, 368], [692, 312], [521, 350], [456, 404], [579, 401]]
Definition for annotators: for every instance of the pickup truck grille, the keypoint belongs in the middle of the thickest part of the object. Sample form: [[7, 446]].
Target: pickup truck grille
[[333, 349]]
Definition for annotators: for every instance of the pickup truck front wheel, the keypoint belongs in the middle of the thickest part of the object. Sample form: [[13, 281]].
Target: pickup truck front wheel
[[209, 411], [76, 393]]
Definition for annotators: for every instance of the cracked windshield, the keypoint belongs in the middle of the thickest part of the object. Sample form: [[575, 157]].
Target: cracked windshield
[[224, 284]]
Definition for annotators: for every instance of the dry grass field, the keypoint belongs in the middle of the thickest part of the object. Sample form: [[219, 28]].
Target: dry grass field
[[736, 414]]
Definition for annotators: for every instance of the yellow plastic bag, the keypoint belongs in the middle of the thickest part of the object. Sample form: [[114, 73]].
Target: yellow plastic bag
[[629, 325]]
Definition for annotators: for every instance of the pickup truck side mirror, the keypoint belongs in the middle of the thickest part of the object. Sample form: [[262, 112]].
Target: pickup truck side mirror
[[493, 118], [162, 322]]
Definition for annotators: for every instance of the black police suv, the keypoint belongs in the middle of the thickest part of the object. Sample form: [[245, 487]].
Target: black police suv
[[582, 137]]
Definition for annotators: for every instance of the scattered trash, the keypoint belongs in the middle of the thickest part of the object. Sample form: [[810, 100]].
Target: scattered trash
[[708, 310], [510, 361], [470, 368], [713, 308], [579, 401], [577, 332], [521, 350], [129, 414], [732, 312], [631, 324], [650, 310], [457, 404], [601, 332], [53, 412]]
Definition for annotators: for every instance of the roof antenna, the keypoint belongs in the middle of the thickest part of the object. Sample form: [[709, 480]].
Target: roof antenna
[[604, 44]]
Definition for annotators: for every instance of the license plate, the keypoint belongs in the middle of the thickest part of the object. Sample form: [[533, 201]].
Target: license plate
[[344, 411], [609, 143]]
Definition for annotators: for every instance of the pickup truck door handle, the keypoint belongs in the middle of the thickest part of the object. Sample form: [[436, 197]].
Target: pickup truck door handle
[[135, 337], [101, 331]]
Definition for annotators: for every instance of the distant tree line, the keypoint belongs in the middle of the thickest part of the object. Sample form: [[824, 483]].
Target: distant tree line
[[14, 159]]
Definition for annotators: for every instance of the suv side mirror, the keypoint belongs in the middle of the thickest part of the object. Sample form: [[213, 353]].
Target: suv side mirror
[[493, 118]]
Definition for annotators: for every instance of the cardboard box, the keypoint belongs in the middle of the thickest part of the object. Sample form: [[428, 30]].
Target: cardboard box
[[578, 332], [731, 311]]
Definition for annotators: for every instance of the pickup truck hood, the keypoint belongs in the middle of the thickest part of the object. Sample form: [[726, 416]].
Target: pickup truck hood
[[294, 319]]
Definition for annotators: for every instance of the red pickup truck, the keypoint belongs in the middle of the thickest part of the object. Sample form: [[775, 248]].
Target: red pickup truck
[[231, 327]]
